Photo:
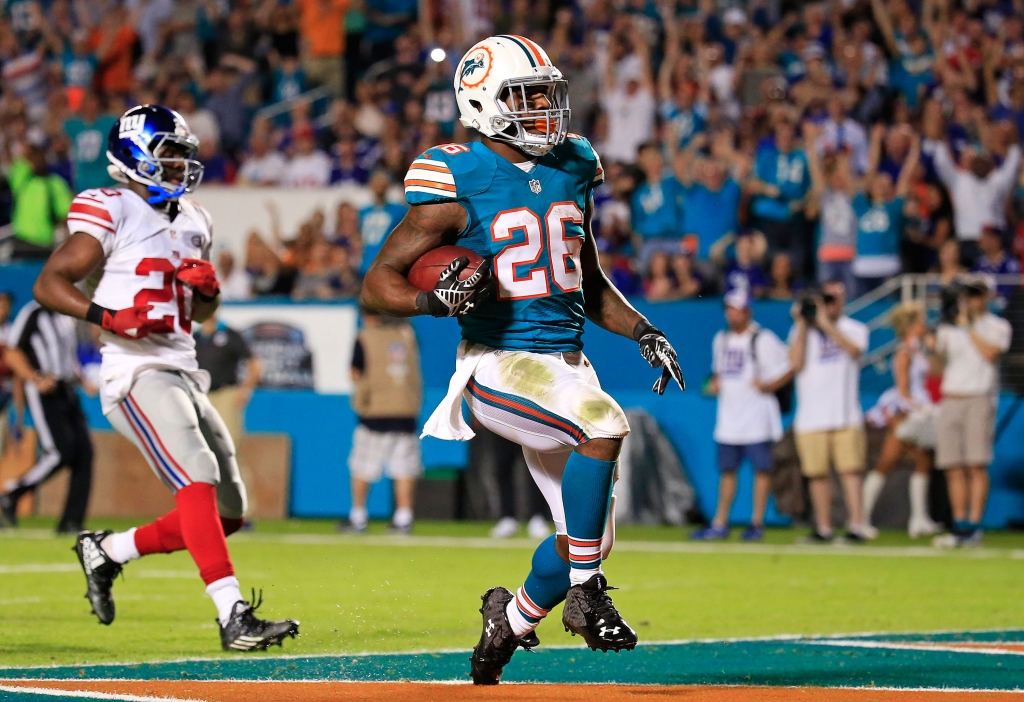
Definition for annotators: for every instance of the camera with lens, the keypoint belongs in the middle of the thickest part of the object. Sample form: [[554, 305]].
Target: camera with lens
[[949, 303], [809, 308]]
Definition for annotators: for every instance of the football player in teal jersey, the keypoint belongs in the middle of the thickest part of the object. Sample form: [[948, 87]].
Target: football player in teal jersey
[[522, 198]]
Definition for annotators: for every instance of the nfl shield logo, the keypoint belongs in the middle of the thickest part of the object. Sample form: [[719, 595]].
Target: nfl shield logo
[[535, 186]]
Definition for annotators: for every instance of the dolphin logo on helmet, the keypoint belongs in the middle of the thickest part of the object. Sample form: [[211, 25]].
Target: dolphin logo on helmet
[[497, 102]]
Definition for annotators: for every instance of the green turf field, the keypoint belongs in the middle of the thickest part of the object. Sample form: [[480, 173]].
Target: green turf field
[[379, 593]]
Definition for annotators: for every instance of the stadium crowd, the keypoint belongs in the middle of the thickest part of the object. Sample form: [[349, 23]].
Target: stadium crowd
[[771, 145]]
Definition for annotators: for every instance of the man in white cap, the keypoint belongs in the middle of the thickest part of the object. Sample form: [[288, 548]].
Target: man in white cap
[[750, 364]]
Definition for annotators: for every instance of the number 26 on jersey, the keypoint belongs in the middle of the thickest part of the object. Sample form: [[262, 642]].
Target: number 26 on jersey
[[516, 280]]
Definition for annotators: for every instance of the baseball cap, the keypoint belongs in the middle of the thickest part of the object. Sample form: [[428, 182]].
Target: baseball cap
[[737, 298]]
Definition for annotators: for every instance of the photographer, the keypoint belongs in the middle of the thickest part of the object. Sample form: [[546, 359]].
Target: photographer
[[824, 348], [969, 342]]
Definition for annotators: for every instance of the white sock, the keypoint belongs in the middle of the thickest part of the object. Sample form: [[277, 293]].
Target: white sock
[[121, 546], [224, 593], [358, 517], [919, 497], [402, 518], [874, 481], [521, 626], [578, 576]]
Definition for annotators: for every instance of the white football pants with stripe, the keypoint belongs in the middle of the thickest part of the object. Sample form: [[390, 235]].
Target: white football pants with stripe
[[172, 422]]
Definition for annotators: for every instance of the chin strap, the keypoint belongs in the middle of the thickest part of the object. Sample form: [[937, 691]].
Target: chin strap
[[160, 195]]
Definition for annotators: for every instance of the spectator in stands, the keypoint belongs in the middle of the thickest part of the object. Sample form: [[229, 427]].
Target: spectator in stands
[[308, 166], [346, 167], [879, 210], [979, 190], [749, 365], [235, 283], [376, 221], [88, 132], [657, 206], [322, 24], [831, 202], [951, 268], [318, 278], [386, 20], [712, 200], [689, 282], [387, 399], [779, 186], [263, 165], [659, 285], [783, 280], [41, 200], [227, 85], [743, 268], [113, 43], [967, 354], [825, 347], [627, 95], [201, 121], [842, 134], [993, 260]]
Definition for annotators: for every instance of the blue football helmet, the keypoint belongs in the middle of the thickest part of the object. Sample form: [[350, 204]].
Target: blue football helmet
[[138, 148]]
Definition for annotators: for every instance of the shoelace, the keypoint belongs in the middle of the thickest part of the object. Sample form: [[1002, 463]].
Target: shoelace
[[603, 606]]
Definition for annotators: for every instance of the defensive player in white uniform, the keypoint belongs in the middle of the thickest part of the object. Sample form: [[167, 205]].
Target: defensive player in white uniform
[[145, 249]]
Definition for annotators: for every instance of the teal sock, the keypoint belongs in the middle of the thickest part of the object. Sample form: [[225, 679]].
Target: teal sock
[[586, 491]]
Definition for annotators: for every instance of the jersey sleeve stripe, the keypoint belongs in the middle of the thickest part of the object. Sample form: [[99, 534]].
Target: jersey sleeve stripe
[[428, 167], [86, 223], [429, 191], [432, 176], [445, 187], [97, 212], [430, 162]]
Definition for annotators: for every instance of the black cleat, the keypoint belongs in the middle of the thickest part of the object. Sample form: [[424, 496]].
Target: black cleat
[[590, 613], [100, 571], [8, 510], [247, 632], [497, 642]]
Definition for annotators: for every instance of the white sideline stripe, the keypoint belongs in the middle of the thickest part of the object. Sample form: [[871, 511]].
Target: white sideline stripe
[[942, 646], [39, 568], [85, 694], [796, 638], [307, 681], [634, 546]]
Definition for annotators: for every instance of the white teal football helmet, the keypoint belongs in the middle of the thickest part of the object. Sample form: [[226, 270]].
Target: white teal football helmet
[[492, 82]]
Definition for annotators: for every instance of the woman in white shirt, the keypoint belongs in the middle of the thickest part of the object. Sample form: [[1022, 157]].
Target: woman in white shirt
[[907, 410]]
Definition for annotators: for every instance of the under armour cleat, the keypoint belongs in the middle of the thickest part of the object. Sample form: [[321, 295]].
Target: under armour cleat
[[497, 642], [100, 571], [247, 632], [589, 612]]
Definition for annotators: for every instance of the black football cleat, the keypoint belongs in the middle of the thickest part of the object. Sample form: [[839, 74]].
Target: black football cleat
[[8, 510], [590, 613], [100, 571], [247, 632], [497, 642]]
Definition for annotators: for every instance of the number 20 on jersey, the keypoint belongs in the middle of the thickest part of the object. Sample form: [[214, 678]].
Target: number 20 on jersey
[[552, 233]]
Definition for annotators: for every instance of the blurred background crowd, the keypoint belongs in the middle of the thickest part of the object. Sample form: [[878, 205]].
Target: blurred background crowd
[[769, 144]]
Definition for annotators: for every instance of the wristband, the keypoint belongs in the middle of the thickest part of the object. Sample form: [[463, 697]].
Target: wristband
[[423, 302], [642, 328], [96, 313]]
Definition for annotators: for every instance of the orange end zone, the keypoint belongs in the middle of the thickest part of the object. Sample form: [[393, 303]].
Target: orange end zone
[[424, 692]]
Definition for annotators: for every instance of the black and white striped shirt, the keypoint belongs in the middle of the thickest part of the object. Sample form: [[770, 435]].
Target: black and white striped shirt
[[48, 339]]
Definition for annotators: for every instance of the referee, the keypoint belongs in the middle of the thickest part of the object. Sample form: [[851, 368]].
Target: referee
[[43, 352]]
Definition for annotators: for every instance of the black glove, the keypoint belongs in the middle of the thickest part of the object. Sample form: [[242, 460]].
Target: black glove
[[451, 296], [656, 350]]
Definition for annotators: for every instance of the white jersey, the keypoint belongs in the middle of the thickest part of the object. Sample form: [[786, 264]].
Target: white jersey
[[143, 250]]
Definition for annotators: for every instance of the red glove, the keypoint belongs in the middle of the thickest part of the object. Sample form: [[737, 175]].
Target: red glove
[[201, 275], [130, 323]]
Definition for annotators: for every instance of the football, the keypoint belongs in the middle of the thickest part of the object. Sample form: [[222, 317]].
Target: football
[[428, 267]]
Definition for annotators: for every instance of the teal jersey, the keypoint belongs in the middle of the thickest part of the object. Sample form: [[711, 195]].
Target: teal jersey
[[89, 151], [529, 225]]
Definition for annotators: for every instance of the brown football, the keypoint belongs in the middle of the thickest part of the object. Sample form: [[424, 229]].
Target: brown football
[[428, 267]]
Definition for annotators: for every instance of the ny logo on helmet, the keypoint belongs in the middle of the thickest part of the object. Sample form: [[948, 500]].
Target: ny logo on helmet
[[131, 125]]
